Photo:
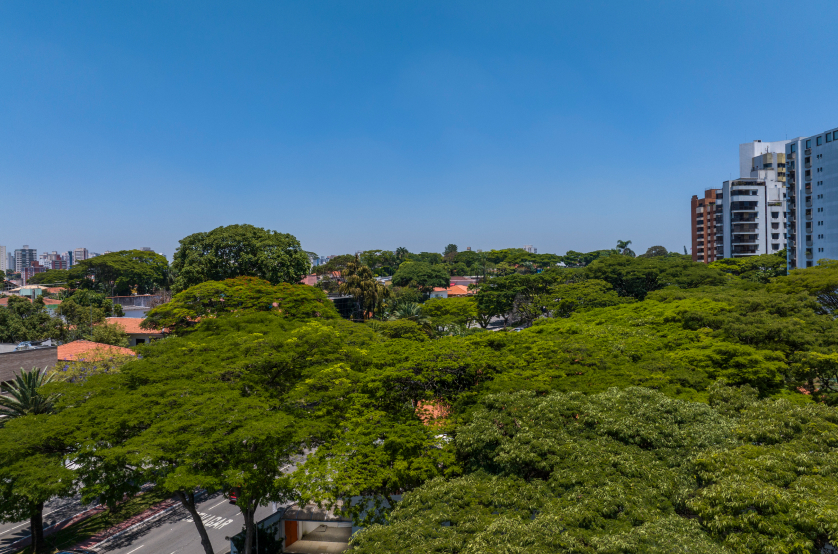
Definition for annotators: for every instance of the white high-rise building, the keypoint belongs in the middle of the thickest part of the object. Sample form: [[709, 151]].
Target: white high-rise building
[[4, 260], [750, 213], [812, 191]]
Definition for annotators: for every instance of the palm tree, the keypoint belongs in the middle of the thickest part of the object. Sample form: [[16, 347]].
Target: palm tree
[[623, 248], [25, 397], [401, 253], [360, 283], [409, 310]]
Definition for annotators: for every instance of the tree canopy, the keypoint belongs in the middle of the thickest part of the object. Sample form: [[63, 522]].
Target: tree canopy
[[238, 251], [421, 275]]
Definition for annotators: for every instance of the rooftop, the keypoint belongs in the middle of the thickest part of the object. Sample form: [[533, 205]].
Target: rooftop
[[85, 349], [131, 325]]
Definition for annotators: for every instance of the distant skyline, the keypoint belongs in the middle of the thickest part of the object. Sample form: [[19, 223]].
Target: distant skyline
[[369, 125]]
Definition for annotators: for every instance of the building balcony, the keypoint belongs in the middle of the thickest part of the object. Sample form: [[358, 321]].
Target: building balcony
[[809, 243], [807, 165], [808, 178], [807, 152], [808, 254], [808, 217], [808, 203]]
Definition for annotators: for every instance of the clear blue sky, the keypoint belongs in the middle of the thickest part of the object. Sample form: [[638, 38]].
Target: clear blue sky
[[358, 125]]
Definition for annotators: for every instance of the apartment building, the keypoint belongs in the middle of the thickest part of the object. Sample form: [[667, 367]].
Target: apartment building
[[3, 260], [747, 216], [24, 257], [704, 215], [812, 190], [80, 254]]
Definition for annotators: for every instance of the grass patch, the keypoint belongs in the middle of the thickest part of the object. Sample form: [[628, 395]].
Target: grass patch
[[74, 534]]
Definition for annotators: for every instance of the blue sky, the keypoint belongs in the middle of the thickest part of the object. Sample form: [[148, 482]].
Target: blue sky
[[359, 125]]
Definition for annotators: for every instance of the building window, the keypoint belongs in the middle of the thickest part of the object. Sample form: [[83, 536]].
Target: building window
[[819, 141], [835, 135], [829, 137], [775, 215], [808, 264], [809, 143], [775, 236]]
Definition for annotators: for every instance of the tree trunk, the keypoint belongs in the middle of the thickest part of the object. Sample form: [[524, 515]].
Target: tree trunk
[[249, 514], [36, 528], [187, 499]]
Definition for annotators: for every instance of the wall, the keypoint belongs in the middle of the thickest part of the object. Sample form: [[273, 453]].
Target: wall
[[12, 362]]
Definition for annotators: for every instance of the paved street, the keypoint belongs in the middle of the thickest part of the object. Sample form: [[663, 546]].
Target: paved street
[[175, 532], [54, 512]]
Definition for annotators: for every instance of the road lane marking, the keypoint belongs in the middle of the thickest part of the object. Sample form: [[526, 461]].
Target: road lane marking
[[136, 548], [15, 527], [216, 506], [209, 520]]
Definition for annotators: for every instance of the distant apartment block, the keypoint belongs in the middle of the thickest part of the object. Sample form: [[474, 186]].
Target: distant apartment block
[[80, 254], [4, 260], [704, 216], [529, 248], [812, 190], [24, 257]]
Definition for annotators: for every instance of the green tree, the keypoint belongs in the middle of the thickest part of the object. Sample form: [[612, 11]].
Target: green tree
[[565, 299], [402, 253], [448, 312], [450, 249], [761, 269], [636, 277], [653, 251], [50, 276], [24, 320], [110, 333], [238, 251], [31, 450], [623, 248], [820, 281], [119, 272], [421, 275], [240, 296], [359, 282]]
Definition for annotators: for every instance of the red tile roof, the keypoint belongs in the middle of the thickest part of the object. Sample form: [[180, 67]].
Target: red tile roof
[[456, 290], [84, 349], [131, 325]]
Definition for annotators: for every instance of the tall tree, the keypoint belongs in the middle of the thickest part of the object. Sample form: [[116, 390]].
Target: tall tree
[[421, 275], [238, 250], [361, 284], [32, 470], [623, 248]]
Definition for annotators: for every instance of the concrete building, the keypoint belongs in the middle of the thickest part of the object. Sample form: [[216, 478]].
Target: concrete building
[[80, 254], [4, 260], [812, 191], [756, 224], [24, 257], [10, 261], [529, 248], [704, 216], [749, 217]]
